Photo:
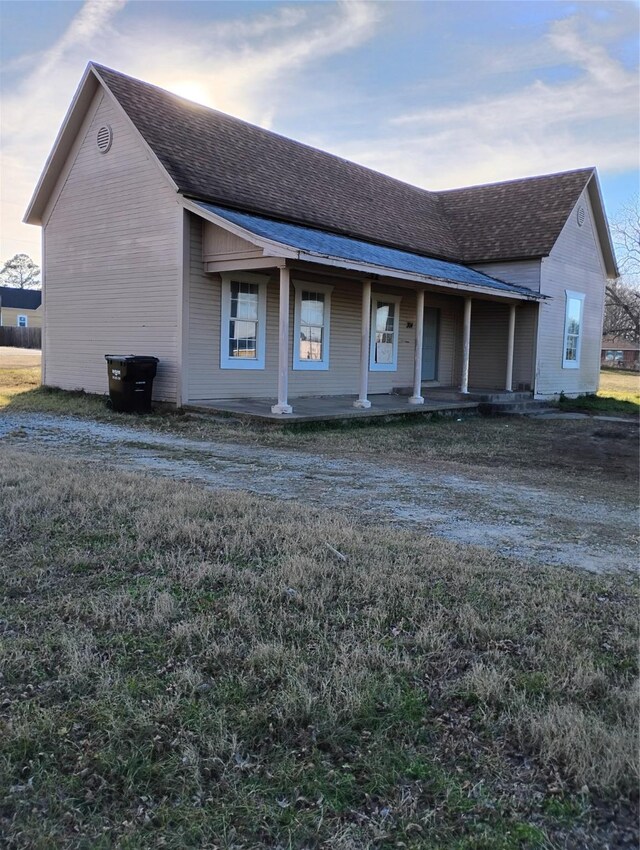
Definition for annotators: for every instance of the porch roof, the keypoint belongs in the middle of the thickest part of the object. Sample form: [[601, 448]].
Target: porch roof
[[330, 245]]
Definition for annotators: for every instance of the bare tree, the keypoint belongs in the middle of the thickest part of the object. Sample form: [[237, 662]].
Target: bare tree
[[20, 271], [622, 304]]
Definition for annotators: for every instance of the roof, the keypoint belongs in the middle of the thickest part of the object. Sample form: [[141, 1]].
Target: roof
[[216, 158], [618, 344], [330, 245], [20, 299], [518, 218]]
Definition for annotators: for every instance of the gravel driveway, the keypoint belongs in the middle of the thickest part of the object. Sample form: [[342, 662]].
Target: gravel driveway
[[532, 523]]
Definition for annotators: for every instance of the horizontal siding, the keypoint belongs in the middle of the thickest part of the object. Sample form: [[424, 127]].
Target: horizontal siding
[[112, 265], [520, 273], [575, 263], [206, 380], [9, 317], [488, 349], [524, 347]]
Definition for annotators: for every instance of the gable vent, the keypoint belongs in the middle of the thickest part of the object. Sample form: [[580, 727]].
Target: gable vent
[[104, 138], [581, 216]]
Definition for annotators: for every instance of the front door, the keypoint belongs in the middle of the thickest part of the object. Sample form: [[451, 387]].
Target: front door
[[430, 344]]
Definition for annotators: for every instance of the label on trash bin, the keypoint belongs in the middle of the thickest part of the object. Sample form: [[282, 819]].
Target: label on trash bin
[[115, 374]]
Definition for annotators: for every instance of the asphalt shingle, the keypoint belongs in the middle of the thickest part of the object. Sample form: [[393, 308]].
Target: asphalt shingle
[[214, 157]]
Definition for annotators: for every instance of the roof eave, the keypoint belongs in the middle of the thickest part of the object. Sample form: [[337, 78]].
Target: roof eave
[[602, 226], [62, 146], [271, 248]]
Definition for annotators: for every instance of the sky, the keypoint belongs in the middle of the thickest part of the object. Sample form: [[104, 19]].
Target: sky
[[439, 94]]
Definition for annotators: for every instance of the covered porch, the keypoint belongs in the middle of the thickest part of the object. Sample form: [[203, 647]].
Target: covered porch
[[441, 402], [330, 334]]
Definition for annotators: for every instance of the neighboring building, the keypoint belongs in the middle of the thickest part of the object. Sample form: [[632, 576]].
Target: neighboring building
[[20, 308], [257, 267], [620, 353]]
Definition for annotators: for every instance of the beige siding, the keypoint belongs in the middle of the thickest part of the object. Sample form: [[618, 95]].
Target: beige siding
[[207, 380], [519, 272], [489, 337], [575, 263], [220, 243], [112, 245], [9, 317]]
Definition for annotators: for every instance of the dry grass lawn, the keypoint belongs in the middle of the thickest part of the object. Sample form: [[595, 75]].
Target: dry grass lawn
[[621, 385], [184, 669]]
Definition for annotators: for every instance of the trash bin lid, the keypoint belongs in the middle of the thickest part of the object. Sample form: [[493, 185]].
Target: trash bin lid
[[132, 358]]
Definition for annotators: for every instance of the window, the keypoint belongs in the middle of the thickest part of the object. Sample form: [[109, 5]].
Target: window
[[312, 319], [383, 354], [22, 321], [572, 330], [614, 355], [243, 323]]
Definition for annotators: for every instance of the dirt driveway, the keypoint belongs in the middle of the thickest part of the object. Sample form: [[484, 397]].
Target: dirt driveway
[[532, 523]]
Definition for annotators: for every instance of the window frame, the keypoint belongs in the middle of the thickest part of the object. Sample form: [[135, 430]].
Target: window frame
[[226, 361], [26, 320], [376, 299], [300, 364], [569, 296]]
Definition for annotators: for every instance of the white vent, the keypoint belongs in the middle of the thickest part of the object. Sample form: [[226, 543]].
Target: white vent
[[104, 138], [581, 216]]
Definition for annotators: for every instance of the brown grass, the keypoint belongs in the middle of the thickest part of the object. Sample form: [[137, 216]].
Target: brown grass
[[186, 669]]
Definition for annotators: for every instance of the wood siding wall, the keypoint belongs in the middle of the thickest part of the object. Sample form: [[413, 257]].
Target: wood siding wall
[[489, 336], [206, 380], [111, 244], [519, 272], [575, 263], [9, 317]]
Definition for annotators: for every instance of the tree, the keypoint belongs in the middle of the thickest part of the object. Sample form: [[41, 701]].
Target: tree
[[21, 271], [622, 303]]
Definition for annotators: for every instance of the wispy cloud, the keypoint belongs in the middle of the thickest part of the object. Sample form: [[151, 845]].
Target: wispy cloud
[[537, 127], [245, 66]]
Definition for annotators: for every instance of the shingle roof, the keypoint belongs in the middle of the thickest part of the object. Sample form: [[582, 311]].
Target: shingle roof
[[214, 157], [516, 219], [321, 243], [20, 299]]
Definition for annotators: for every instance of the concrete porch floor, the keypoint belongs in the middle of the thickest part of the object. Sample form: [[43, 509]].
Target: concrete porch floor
[[326, 408]]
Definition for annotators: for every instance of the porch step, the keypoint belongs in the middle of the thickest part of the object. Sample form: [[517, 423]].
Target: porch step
[[498, 396], [512, 407]]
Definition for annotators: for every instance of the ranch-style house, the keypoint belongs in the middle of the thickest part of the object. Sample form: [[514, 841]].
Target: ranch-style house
[[260, 269]]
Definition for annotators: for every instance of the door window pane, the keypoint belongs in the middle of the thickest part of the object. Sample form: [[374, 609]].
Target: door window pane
[[385, 330]]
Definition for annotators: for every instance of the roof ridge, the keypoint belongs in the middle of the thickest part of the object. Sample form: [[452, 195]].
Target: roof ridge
[[590, 169]]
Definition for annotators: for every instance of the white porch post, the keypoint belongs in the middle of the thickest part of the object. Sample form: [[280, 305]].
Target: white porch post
[[283, 405], [466, 341], [510, 343], [417, 397], [365, 326]]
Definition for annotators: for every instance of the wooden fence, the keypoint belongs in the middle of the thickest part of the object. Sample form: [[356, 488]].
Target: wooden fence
[[21, 337]]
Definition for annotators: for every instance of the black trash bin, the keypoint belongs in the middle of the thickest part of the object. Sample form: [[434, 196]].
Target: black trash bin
[[131, 381]]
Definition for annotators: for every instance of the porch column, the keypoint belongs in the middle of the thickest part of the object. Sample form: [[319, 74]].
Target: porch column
[[417, 397], [466, 340], [365, 326], [510, 342], [283, 346]]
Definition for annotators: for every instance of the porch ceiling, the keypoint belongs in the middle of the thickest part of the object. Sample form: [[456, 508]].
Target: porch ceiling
[[319, 246]]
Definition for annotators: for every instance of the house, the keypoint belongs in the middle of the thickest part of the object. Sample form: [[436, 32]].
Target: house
[[259, 268], [620, 353], [20, 308]]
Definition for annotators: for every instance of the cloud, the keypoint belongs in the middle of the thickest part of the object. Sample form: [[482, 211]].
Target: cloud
[[534, 128], [245, 66]]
